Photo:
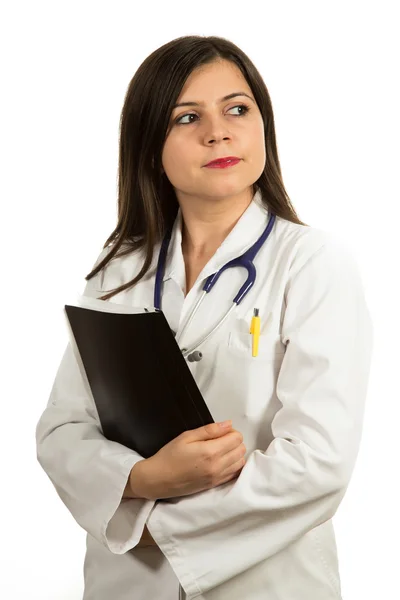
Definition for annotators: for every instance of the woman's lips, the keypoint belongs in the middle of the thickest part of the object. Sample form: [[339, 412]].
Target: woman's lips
[[223, 164]]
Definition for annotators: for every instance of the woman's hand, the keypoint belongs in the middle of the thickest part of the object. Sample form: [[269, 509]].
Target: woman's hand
[[196, 460]]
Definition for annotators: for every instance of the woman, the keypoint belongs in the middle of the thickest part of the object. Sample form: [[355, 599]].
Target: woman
[[218, 513]]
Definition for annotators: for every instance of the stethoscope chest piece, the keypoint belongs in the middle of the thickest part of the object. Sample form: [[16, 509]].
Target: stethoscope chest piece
[[195, 356]]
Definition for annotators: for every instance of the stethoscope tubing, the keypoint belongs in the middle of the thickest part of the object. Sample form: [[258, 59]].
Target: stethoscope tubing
[[245, 260], [185, 351]]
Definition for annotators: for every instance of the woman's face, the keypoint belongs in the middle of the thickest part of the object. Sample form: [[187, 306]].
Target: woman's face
[[214, 128]]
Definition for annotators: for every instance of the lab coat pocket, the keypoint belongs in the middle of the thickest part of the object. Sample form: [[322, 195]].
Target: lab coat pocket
[[270, 348]]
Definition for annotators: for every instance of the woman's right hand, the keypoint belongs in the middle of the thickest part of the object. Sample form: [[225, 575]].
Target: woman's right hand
[[196, 460]]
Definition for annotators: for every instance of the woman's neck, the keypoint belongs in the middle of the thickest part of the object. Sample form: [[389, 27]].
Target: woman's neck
[[206, 224]]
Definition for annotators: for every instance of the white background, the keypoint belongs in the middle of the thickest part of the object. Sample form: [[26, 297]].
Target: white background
[[332, 73]]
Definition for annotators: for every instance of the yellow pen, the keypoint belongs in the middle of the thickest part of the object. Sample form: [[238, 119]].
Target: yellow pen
[[255, 330]]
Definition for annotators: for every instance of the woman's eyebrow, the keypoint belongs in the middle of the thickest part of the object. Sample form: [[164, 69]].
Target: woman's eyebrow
[[228, 97]]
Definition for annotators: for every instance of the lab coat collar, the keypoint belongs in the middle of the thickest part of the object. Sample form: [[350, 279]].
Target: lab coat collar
[[244, 234]]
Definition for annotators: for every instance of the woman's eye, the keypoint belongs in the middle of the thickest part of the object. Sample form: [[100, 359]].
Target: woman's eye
[[179, 120], [241, 107]]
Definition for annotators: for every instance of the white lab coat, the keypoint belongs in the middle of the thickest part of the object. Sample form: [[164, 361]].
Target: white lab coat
[[268, 534]]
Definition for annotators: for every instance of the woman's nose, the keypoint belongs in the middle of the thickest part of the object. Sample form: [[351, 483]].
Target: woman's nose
[[215, 129]]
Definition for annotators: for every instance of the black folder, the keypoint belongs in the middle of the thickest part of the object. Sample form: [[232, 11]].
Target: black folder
[[143, 389]]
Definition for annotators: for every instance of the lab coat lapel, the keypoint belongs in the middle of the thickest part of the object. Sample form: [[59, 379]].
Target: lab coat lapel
[[175, 264]]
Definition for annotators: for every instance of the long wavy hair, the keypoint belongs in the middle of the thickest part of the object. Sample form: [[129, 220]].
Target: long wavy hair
[[147, 204]]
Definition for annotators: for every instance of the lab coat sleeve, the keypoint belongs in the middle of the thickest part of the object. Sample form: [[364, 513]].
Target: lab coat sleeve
[[88, 471], [298, 482]]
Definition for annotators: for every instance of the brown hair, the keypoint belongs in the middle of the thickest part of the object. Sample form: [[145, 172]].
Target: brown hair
[[147, 204]]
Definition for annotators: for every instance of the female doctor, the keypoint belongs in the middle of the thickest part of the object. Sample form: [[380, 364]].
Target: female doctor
[[272, 319]]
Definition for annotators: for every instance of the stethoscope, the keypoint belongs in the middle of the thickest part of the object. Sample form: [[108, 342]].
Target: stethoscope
[[245, 260]]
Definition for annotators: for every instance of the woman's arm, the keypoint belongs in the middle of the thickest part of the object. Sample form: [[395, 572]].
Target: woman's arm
[[297, 483], [88, 471]]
